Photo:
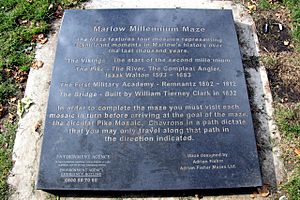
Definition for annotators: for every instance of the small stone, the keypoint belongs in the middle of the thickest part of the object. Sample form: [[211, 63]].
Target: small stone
[[286, 43], [28, 49], [283, 198], [266, 28], [23, 22], [50, 6]]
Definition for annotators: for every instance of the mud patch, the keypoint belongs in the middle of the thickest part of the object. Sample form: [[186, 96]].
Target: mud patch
[[273, 35]]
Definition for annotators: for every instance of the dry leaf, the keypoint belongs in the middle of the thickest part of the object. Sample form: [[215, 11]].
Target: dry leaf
[[251, 7], [38, 126], [264, 192], [20, 76], [59, 8], [43, 41], [2, 110], [7, 70], [37, 64], [40, 38], [297, 151], [13, 99], [253, 195], [59, 12], [11, 117]]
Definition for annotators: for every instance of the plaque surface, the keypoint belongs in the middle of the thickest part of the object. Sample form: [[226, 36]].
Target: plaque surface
[[148, 99]]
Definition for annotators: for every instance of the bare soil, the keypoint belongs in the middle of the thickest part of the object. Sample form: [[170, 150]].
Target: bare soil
[[276, 43]]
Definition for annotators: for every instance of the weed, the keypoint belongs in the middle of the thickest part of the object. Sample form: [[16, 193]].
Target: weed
[[270, 61], [25, 68]]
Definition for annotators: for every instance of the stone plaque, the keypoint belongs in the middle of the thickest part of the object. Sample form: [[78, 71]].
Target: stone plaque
[[148, 99]]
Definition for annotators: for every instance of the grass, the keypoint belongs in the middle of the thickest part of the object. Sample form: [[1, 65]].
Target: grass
[[270, 61], [288, 121], [7, 90], [6, 144], [20, 22], [294, 7], [293, 186], [264, 4]]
